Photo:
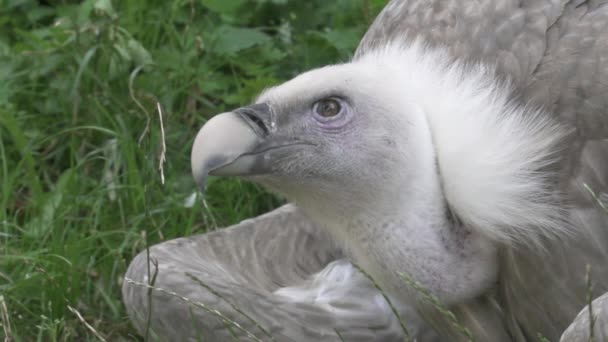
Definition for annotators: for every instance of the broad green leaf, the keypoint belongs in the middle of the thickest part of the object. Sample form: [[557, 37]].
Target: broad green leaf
[[344, 40], [84, 11], [104, 7], [37, 13], [138, 53], [225, 7], [276, 2], [122, 51], [233, 39], [377, 5]]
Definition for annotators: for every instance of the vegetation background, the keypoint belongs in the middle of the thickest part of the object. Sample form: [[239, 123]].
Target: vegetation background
[[85, 87]]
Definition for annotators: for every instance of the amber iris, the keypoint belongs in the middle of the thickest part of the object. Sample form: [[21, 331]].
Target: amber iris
[[328, 107]]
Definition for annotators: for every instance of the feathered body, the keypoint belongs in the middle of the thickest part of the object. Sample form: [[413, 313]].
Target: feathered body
[[554, 55], [470, 131]]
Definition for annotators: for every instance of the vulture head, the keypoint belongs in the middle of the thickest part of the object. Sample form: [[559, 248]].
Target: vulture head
[[414, 164], [329, 138]]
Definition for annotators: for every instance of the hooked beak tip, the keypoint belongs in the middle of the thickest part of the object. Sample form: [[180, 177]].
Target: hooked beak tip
[[202, 185]]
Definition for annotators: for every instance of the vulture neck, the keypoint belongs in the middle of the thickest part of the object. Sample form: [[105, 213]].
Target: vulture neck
[[406, 228]]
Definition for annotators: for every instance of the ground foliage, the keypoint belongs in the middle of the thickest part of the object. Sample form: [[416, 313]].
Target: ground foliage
[[81, 85]]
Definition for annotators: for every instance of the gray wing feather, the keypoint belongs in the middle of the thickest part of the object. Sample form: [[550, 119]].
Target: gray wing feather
[[579, 330], [244, 265], [510, 34], [572, 82]]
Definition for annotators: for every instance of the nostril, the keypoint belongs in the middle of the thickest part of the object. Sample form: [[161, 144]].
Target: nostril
[[254, 119], [257, 116], [257, 121]]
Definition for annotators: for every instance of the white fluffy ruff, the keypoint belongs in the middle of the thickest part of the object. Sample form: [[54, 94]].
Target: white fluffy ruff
[[492, 153]]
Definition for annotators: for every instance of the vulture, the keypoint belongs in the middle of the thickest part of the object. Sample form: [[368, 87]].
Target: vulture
[[445, 184]]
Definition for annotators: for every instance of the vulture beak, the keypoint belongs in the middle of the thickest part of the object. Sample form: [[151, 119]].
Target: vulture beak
[[236, 144]]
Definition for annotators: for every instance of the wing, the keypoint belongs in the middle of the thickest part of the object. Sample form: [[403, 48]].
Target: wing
[[510, 34], [259, 274], [555, 52], [579, 330], [572, 82]]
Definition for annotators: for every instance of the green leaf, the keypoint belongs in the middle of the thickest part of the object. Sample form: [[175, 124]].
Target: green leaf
[[43, 222], [377, 5], [233, 39], [104, 7], [9, 121], [84, 12], [122, 51], [138, 53], [6, 71], [37, 13], [276, 2], [344, 40], [226, 7]]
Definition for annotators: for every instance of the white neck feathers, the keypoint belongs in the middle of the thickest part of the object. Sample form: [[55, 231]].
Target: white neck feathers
[[493, 154]]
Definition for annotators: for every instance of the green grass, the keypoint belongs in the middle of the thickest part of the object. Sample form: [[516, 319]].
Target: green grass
[[80, 137]]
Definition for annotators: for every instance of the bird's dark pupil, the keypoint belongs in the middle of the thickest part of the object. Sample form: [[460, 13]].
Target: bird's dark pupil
[[330, 108]]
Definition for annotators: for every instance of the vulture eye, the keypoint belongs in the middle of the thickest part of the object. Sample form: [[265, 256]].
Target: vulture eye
[[327, 108]]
